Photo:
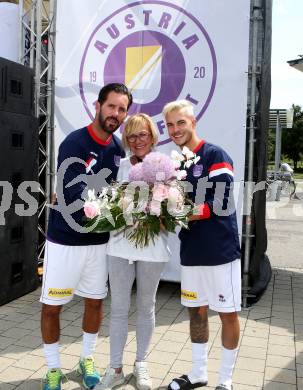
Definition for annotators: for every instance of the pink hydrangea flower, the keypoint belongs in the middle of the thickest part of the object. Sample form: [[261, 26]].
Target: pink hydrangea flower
[[136, 173], [157, 167]]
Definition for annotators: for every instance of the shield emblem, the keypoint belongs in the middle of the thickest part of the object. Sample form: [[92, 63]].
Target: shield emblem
[[197, 170], [143, 72]]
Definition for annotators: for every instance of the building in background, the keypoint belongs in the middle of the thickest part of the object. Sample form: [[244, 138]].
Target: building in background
[[298, 63]]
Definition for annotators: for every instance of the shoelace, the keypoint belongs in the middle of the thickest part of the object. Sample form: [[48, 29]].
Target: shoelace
[[142, 371], [53, 379], [89, 366]]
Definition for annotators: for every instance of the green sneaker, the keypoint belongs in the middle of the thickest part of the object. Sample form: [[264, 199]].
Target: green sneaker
[[90, 375], [53, 379]]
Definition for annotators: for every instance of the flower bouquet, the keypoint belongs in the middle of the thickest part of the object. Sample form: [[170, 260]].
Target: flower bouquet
[[153, 199]]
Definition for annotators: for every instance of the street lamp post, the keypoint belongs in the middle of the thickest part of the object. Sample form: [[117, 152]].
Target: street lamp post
[[278, 144]]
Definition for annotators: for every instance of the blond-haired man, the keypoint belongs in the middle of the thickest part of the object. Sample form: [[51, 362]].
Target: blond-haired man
[[210, 250]]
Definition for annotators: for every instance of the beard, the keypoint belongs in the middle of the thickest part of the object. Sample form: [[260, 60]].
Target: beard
[[109, 128]]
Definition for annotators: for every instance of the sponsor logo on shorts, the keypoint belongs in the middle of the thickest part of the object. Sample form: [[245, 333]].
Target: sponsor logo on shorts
[[221, 298], [189, 295], [60, 292]]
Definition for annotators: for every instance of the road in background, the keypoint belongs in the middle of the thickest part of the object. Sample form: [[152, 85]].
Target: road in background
[[284, 224]]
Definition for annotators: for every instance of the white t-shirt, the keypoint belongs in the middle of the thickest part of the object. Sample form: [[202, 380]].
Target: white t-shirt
[[286, 168], [119, 246]]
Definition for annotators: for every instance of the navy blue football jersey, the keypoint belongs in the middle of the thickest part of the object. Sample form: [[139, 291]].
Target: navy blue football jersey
[[213, 239]]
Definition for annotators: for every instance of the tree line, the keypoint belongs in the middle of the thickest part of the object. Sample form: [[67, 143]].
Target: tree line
[[292, 140]]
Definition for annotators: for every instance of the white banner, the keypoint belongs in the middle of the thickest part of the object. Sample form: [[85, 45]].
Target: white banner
[[163, 50], [9, 30]]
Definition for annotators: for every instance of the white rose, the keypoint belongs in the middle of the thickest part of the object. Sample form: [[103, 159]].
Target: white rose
[[176, 156], [185, 150], [177, 164], [190, 155], [91, 195], [103, 192], [188, 163], [181, 174]]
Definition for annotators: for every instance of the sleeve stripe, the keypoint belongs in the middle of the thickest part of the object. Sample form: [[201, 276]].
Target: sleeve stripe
[[221, 171], [219, 166], [204, 211], [88, 161]]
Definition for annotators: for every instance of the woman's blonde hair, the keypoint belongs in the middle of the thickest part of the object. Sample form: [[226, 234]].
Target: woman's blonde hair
[[134, 123]]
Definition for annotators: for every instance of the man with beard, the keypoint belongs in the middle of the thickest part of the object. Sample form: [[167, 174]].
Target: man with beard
[[75, 261]]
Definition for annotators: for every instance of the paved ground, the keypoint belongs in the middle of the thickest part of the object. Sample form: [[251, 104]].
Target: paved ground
[[271, 348], [285, 231]]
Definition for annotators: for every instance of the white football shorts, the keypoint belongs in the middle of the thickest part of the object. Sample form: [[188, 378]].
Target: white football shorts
[[69, 270], [218, 287]]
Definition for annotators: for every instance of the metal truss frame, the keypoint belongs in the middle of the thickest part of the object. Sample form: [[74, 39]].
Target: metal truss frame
[[254, 79], [37, 23]]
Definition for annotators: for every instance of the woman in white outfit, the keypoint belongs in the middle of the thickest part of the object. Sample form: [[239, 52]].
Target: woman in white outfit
[[127, 263]]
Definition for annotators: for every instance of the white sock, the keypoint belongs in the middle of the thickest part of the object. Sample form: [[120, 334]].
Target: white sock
[[88, 344], [199, 363], [52, 355], [228, 360]]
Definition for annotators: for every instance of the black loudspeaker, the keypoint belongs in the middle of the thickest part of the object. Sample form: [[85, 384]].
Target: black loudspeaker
[[16, 88], [19, 144]]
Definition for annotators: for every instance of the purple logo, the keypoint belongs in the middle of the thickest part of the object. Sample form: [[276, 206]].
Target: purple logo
[[197, 170], [151, 89], [159, 50]]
